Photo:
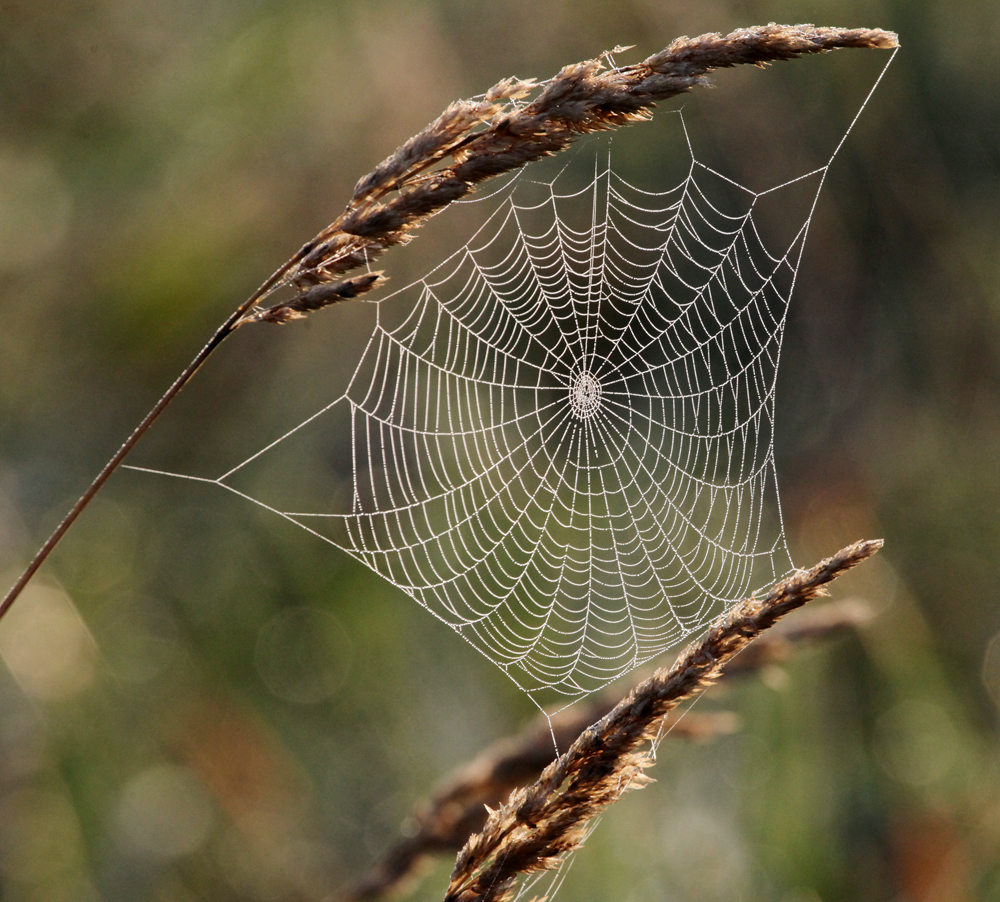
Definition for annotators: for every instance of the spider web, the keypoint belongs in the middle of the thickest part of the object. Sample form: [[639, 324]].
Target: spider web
[[562, 437]]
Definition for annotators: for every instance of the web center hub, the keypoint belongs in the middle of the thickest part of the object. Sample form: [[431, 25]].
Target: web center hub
[[584, 394]]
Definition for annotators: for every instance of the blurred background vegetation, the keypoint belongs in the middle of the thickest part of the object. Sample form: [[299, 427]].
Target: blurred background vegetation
[[202, 702]]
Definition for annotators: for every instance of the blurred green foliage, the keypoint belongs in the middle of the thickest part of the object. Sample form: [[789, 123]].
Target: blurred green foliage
[[201, 702]]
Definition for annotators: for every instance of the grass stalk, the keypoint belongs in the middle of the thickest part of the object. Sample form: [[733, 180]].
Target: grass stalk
[[540, 824], [458, 808], [470, 142]]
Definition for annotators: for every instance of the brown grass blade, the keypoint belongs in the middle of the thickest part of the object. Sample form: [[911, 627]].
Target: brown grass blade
[[538, 825], [582, 98], [459, 807], [449, 158]]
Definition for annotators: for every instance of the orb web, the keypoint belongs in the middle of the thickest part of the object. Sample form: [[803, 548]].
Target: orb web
[[562, 437], [564, 449]]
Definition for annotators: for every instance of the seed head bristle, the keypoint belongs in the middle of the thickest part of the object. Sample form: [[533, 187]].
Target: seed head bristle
[[475, 140], [541, 823]]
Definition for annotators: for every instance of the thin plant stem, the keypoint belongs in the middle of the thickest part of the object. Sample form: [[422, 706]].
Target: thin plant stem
[[459, 807], [220, 335], [540, 824], [471, 142]]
